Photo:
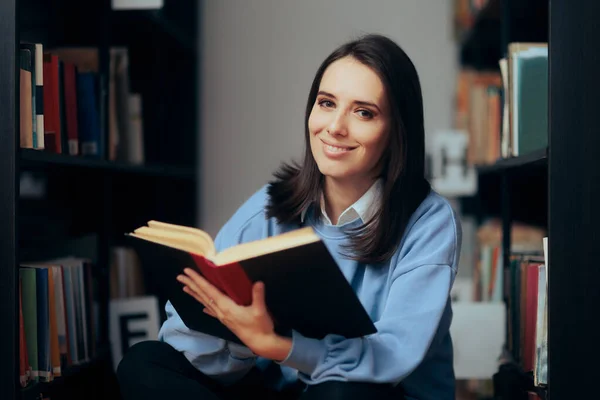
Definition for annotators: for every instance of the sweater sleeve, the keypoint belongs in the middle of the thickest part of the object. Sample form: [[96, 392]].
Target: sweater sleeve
[[222, 360], [418, 297]]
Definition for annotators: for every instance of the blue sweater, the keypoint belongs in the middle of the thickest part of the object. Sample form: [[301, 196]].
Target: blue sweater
[[407, 298]]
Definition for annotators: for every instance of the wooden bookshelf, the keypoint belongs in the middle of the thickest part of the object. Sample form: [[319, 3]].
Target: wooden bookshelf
[[87, 197], [557, 187]]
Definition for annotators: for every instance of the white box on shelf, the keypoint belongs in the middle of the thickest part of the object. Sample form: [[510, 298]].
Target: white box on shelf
[[478, 338]]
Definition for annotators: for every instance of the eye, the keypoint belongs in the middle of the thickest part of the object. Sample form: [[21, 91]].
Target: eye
[[326, 103], [366, 114]]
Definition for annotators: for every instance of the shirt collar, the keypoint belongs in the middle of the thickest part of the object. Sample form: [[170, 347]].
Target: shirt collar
[[364, 208]]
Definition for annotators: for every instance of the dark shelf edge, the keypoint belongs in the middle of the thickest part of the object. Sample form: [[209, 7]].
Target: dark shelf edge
[[33, 390], [30, 158], [533, 158]]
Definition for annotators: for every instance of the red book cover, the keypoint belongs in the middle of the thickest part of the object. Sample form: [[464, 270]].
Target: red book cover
[[230, 279], [52, 121], [70, 90]]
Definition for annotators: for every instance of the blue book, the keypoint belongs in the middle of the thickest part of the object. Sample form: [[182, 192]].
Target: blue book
[[43, 326], [88, 116], [71, 314]]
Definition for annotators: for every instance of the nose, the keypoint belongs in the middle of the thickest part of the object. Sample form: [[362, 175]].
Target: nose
[[337, 126]]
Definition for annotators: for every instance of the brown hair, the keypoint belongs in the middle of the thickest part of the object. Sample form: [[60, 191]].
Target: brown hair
[[297, 187]]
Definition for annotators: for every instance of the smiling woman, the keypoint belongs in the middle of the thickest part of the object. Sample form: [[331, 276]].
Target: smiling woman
[[362, 188], [349, 126]]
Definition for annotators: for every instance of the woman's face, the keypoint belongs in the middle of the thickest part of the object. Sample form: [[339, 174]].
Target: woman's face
[[349, 122]]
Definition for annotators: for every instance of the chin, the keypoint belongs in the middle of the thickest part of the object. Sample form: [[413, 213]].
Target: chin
[[335, 172]]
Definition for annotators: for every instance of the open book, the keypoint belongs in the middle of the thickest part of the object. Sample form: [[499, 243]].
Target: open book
[[304, 288]]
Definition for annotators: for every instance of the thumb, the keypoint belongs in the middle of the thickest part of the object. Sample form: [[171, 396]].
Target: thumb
[[258, 296]]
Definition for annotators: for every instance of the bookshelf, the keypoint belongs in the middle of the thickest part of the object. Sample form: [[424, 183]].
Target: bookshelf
[[557, 187], [87, 203]]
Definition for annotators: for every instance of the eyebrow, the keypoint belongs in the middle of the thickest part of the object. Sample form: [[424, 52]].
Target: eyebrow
[[359, 102]]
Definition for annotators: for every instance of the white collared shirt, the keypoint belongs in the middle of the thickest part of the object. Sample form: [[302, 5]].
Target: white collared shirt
[[364, 208]]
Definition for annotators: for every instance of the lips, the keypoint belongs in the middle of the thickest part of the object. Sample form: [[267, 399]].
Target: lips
[[335, 148]]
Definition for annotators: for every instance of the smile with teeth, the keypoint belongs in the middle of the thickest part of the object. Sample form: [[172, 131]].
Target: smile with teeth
[[336, 149]]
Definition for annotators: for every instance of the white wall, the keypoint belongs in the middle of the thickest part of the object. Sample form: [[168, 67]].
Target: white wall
[[258, 59]]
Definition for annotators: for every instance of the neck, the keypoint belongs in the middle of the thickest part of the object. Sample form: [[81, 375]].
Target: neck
[[341, 195]]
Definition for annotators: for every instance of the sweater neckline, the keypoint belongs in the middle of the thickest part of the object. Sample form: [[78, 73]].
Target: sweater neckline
[[332, 231]]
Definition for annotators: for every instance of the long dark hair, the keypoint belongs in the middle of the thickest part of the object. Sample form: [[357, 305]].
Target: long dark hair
[[297, 187]]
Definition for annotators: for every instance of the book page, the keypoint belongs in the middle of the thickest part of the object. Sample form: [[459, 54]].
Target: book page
[[272, 244], [193, 243]]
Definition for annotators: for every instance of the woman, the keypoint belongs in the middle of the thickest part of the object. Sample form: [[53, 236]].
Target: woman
[[362, 188]]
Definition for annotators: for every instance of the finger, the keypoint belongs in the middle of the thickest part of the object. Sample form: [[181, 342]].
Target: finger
[[191, 285], [210, 312], [207, 307], [194, 295], [187, 281], [258, 297], [207, 288]]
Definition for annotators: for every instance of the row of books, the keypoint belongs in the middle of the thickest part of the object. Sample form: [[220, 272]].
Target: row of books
[[526, 291], [126, 277], [61, 103], [522, 285], [505, 112], [57, 317], [488, 273]]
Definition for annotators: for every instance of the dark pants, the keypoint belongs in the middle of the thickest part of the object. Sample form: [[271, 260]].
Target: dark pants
[[154, 370]]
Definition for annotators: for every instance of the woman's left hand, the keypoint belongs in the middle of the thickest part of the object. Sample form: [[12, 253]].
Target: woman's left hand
[[251, 324]]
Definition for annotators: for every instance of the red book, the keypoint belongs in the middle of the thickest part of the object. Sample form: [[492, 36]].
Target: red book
[[52, 129], [304, 288], [70, 90]]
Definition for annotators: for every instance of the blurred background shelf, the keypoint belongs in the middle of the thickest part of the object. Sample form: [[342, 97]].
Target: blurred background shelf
[[537, 159]]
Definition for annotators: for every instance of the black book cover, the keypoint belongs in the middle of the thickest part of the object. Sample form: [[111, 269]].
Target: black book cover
[[304, 288]]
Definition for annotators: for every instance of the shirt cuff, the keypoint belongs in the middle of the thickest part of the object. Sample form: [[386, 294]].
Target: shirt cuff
[[239, 352], [305, 354]]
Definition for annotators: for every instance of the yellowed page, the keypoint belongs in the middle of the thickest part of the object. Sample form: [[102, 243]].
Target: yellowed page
[[272, 244]]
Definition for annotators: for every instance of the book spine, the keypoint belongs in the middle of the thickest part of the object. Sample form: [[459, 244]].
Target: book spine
[[43, 326]]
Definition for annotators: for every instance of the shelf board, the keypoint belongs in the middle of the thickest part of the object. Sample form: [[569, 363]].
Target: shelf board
[[36, 158], [537, 158], [34, 389]]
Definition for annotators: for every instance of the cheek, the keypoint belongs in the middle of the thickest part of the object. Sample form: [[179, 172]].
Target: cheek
[[317, 121], [374, 141]]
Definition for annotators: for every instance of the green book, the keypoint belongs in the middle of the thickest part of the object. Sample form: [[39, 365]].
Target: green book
[[29, 299], [531, 118]]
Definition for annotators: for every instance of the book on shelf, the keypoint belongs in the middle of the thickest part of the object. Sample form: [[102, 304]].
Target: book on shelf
[[527, 298], [527, 104], [505, 112], [305, 289], [62, 108], [521, 284], [57, 317], [540, 371]]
